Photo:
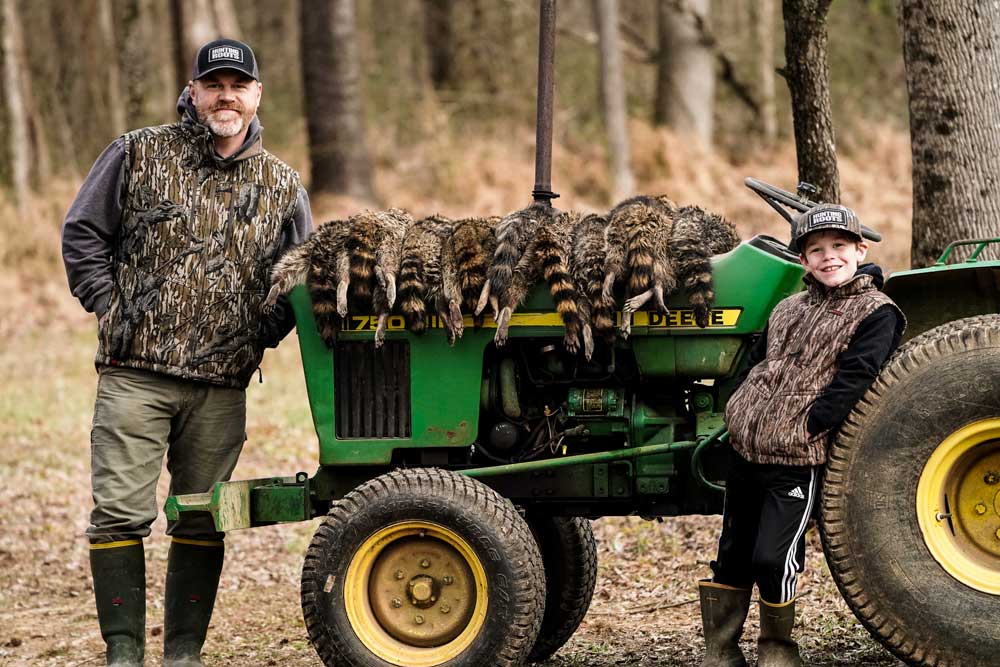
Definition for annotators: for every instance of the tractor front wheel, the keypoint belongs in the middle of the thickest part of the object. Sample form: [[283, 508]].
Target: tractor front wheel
[[911, 501], [422, 568]]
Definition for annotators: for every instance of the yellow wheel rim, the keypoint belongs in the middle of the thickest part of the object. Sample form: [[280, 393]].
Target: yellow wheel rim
[[416, 594], [958, 505]]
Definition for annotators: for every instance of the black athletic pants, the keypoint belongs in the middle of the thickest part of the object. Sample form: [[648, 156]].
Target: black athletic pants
[[763, 527]]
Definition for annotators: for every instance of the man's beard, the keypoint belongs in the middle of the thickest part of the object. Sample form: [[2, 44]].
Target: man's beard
[[228, 126]]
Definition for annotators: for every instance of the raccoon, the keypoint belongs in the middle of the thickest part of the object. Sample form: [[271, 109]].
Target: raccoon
[[647, 223], [381, 237], [590, 252], [697, 235], [552, 248], [420, 270], [321, 262], [510, 260], [465, 258]]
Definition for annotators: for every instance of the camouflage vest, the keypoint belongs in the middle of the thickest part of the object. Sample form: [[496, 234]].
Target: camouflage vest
[[806, 333], [192, 257]]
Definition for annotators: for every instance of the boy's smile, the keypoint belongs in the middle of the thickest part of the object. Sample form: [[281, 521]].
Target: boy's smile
[[832, 257]]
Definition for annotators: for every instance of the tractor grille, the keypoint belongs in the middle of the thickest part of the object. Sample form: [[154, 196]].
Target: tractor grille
[[373, 390]]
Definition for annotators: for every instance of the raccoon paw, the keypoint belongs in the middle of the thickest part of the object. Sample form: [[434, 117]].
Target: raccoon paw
[[342, 298], [503, 324], [456, 324], [572, 342], [588, 342], [484, 298], [383, 319], [272, 297], [626, 323]]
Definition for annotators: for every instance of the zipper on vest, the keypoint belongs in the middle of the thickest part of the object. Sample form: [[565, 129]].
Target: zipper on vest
[[203, 263]]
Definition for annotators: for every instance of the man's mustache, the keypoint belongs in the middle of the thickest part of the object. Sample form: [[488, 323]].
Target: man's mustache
[[238, 108]]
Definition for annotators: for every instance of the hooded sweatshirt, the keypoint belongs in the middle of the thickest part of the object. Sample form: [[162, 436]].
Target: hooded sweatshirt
[[820, 352], [127, 244]]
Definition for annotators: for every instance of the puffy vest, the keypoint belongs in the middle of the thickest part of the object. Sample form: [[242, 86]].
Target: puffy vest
[[192, 257], [806, 332]]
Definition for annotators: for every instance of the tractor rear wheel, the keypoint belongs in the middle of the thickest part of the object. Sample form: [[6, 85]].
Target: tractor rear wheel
[[422, 568], [911, 501], [569, 553]]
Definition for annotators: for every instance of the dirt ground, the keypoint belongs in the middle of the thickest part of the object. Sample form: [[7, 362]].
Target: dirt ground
[[644, 612]]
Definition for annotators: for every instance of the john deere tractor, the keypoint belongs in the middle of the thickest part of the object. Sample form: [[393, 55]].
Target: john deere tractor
[[457, 484]]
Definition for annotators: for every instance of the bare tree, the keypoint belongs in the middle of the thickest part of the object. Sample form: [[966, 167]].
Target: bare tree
[[613, 98], [440, 41], [111, 83], [685, 89], [763, 29], [17, 116], [194, 22], [331, 69], [953, 78], [808, 76]]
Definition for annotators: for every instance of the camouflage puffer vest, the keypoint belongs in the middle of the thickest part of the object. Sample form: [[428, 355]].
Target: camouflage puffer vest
[[767, 415], [192, 256]]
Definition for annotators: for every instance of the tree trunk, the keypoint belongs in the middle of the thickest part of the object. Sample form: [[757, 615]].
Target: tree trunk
[[808, 77], [112, 81], [613, 98], [763, 27], [331, 67], [439, 38], [953, 78], [685, 82], [17, 114], [226, 22]]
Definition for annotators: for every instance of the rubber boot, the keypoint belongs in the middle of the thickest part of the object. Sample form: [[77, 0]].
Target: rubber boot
[[119, 572], [723, 612], [193, 569], [775, 647]]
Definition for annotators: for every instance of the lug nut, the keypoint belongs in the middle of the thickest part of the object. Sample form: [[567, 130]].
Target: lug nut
[[980, 508], [399, 574], [418, 619], [397, 603], [445, 609], [991, 478], [425, 563], [998, 533], [448, 580]]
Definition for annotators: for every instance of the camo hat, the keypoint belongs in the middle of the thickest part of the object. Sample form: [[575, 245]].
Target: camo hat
[[825, 216], [225, 54]]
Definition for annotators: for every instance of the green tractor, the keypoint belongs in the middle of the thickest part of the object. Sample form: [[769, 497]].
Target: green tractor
[[457, 484]]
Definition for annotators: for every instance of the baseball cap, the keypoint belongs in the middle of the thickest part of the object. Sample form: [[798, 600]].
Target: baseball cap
[[225, 54], [825, 216]]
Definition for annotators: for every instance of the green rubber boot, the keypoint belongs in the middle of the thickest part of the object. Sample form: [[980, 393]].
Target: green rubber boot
[[775, 647], [119, 572], [193, 569], [723, 612]]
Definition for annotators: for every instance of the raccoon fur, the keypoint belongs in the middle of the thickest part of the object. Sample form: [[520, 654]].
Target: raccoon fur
[[647, 267], [553, 251], [510, 260], [465, 259], [697, 235], [420, 270], [373, 246], [590, 252], [321, 262]]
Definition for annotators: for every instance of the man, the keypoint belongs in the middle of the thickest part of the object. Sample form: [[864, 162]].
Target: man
[[170, 242]]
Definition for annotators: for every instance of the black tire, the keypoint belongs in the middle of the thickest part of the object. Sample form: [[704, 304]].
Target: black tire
[[410, 511], [569, 553], [880, 531]]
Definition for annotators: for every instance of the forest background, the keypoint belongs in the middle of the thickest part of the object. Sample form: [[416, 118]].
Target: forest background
[[447, 122]]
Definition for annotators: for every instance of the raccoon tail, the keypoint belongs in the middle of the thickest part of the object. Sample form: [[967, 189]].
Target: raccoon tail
[[361, 246], [563, 290], [501, 273], [322, 285], [411, 293], [694, 269], [289, 271], [471, 270], [639, 260]]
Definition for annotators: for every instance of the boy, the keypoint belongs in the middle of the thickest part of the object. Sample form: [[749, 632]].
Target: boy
[[820, 351]]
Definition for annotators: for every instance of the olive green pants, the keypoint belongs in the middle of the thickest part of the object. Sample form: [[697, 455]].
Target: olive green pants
[[141, 416]]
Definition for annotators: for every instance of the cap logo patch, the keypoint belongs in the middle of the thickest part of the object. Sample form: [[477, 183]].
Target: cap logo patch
[[225, 53], [827, 218]]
